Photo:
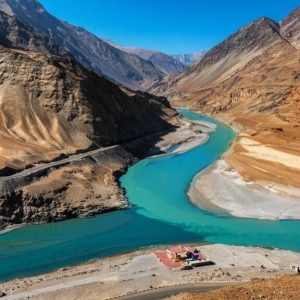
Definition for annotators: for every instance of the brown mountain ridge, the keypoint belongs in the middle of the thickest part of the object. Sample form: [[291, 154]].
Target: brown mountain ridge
[[251, 81]]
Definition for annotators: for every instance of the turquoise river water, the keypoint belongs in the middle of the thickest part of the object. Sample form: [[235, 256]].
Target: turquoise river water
[[161, 214]]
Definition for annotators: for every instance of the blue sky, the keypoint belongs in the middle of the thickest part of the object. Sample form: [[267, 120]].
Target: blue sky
[[171, 26]]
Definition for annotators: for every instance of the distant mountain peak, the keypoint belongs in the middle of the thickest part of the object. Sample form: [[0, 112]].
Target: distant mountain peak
[[165, 63], [290, 28], [259, 34], [191, 58]]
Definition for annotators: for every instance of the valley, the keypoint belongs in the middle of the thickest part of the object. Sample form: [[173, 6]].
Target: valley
[[249, 81], [110, 153]]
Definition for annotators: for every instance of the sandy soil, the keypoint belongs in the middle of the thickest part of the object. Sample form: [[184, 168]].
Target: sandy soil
[[267, 151], [280, 288], [189, 135], [141, 270], [220, 188]]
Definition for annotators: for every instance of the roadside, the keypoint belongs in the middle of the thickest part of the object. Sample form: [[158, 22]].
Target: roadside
[[280, 288], [131, 273]]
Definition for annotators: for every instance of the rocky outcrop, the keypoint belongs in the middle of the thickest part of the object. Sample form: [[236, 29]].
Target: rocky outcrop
[[82, 188], [92, 52]]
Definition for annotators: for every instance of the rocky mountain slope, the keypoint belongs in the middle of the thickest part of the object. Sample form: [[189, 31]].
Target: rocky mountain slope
[[51, 103], [52, 106], [163, 62], [15, 34], [95, 54], [290, 28], [168, 64], [251, 81], [221, 62], [189, 59]]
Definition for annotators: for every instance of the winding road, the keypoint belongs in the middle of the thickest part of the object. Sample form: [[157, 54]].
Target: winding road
[[45, 166]]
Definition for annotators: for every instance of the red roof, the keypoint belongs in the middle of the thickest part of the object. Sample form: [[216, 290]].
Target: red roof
[[169, 263]]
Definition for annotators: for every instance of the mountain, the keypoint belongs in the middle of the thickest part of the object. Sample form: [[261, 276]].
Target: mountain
[[92, 52], [51, 107], [232, 54], [290, 28], [163, 62], [16, 35], [222, 61], [52, 103], [66, 133], [189, 59], [251, 81]]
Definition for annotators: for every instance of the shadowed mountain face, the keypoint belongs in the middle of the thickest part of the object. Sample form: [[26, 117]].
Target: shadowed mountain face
[[168, 64], [92, 52], [50, 105], [251, 80], [14, 34]]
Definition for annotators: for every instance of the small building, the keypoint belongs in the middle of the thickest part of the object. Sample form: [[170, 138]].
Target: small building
[[295, 267]]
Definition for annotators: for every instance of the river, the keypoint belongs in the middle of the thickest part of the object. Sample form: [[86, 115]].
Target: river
[[162, 214]]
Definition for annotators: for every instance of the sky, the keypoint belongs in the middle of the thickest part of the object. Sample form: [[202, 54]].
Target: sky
[[171, 26]]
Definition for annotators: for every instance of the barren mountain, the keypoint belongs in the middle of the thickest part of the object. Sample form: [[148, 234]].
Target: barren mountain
[[251, 81], [52, 106], [225, 59], [290, 28], [15, 34], [163, 62], [95, 54], [189, 59], [167, 64]]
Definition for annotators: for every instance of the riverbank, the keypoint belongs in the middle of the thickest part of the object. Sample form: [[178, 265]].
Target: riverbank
[[141, 270], [189, 135], [222, 189], [147, 223], [259, 176]]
